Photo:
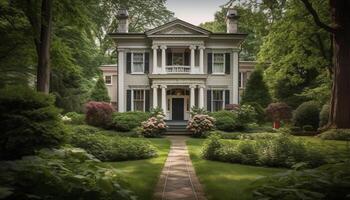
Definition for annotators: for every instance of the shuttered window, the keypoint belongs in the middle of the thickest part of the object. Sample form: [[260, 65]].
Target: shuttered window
[[218, 63], [139, 100], [217, 100], [138, 63]]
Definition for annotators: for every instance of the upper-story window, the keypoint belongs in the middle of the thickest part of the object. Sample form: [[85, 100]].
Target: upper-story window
[[138, 63], [218, 63], [108, 80], [178, 59]]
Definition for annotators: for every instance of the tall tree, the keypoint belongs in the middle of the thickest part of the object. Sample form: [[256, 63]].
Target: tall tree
[[99, 93], [340, 30]]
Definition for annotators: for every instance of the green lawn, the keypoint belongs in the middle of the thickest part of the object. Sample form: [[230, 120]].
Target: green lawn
[[224, 180], [141, 176]]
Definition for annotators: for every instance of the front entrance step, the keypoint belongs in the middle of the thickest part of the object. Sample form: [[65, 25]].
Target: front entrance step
[[176, 128]]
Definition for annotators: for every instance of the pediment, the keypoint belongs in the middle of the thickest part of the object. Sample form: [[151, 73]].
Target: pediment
[[178, 27]]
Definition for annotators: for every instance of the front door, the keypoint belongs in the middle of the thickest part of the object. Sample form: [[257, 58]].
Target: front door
[[177, 109]]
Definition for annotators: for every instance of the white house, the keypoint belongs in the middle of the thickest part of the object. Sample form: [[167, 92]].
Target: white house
[[177, 66]]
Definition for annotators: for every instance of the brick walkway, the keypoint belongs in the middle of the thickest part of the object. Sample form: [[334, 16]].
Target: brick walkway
[[178, 179]]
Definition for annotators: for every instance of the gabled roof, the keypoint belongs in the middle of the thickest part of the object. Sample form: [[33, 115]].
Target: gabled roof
[[178, 23]]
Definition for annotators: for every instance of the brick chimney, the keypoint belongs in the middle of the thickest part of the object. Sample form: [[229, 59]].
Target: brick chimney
[[232, 21], [123, 18]]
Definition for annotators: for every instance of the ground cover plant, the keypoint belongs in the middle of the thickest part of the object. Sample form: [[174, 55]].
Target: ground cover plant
[[336, 134]]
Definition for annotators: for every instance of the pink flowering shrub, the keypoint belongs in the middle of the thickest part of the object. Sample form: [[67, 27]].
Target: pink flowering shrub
[[98, 114], [199, 124], [154, 126]]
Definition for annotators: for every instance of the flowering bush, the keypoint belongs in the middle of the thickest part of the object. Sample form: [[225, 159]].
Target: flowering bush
[[99, 114], [199, 124], [154, 126]]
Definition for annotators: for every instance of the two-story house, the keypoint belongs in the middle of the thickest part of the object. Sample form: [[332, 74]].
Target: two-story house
[[177, 66]]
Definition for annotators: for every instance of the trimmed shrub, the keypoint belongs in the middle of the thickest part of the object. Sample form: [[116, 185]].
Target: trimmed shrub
[[68, 173], [307, 114], [99, 92], [326, 182], [295, 129], [308, 128], [336, 134], [211, 147], [198, 125], [29, 121], [99, 114], [112, 147], [280, 151], [128, 120], [324, 115], [75, 118]]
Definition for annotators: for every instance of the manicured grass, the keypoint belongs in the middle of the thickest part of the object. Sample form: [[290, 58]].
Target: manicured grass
[[224, 180], [141, 176]]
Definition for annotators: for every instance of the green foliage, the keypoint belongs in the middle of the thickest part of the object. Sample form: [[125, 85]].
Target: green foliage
[[99, 93], [210, 147], [76, 118], [127, 121], [68, 173], [256, 90], [198, 111], [29, 121], [336, 134], [280, 151], [108, 147], [307, 114], [324, 115], [327, 182], [259, 110], [308, 128]]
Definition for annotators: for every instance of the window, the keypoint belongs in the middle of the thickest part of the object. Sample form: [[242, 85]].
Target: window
[[218, 100], [139, 100], [138, 63], [108, 80], [219, 63], [178, 59]]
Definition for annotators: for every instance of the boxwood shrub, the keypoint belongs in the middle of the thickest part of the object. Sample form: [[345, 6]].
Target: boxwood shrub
[[324, 115], [307, 114], [29, 121], [336, 134], [127, 121]]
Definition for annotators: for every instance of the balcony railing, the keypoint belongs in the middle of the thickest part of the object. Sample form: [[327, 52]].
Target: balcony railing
[[178, 69]]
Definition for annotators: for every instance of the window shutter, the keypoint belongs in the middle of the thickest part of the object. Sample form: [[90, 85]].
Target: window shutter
[[169, 58], [128, 63], [227, 63], [147, 101], [187, 58], [209, 100], [128, 100], [146, 63], [227, 97], [210, 63]]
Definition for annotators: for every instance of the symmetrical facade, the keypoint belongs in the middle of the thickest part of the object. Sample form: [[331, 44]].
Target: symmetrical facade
[[177, 66]]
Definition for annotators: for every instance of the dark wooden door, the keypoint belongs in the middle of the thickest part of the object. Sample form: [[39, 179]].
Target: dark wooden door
[[178, 109]]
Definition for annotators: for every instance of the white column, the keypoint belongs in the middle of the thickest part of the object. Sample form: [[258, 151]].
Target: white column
[[121, 91], [192, 48], [192, 100], [201, 59], [164, 99], [235, 77], [155, 96], [201, 96], [163, 47], [155, 64]]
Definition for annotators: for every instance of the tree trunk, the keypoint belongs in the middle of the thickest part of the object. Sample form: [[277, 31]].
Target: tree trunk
[[43, 70], [340, 101]]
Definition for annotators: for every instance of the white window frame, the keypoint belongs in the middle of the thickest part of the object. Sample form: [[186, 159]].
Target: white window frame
[[224, 66], [132, 99], [212, 99], [104, 78], [132, 62]]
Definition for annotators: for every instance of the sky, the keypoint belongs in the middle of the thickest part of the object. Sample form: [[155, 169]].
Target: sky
[[195, 11]]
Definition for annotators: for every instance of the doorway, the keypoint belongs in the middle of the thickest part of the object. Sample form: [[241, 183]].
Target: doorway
[[177, 108]]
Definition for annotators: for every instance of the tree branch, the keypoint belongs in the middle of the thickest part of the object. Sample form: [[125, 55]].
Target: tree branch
[[317, 19]]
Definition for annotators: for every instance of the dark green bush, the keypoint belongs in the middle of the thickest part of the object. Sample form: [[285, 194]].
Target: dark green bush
[[295, 129], [259, 110], [62, 174], [307, 114], [336, 134], [327, 182], [107, 147], [324, 115], [76, 118], [279, 151], [28, 121], [128, 120], [308, 128]]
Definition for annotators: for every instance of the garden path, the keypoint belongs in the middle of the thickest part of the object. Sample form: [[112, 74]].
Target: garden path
[[178, 179]]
